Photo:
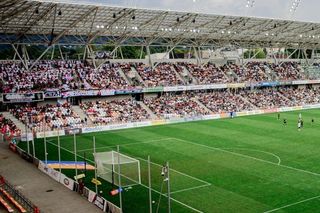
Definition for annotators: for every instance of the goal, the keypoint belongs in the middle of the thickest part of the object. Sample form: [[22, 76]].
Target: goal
[[107, 164]]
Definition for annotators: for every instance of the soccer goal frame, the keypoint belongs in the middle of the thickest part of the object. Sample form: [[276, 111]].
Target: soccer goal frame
[[107, 167]]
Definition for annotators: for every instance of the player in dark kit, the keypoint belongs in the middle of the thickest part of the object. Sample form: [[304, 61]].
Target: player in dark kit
[[278, 116], [285, 122]]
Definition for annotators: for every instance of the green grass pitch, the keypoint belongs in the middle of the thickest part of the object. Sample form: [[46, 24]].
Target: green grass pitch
[[245, 164]]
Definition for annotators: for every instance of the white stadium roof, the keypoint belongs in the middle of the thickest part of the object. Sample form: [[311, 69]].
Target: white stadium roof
[[45, 22]]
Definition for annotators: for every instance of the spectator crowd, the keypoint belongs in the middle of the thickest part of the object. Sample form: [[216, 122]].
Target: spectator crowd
[[114, 111], [47, 117], [166, 105], [77, 75]]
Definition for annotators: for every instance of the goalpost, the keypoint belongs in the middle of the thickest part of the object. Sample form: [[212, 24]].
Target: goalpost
[[107, 164]]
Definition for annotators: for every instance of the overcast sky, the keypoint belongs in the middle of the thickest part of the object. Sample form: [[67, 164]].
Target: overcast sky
[[307, 10]]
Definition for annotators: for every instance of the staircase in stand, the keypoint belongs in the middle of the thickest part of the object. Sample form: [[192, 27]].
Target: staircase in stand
[[202, 105], [153, 116], [17, 122], [271, 75], [81, 114], [137, 76], [121, 73], [284, 97], [186, 71], [248, 102], [177, 74], [232, 75]]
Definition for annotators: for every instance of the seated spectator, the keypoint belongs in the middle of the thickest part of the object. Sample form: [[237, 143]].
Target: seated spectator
[[170, 105], [223, 102], [288, 71], [106, 77], [162, 75], [8, 127], [266, 98], [208, 74], [48, 117], [115, 111]]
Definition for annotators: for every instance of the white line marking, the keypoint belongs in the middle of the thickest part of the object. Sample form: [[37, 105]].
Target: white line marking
[[191, 188], [158, 140], [247, 156], [257, 150], [181, 173], [126, 144], [292, 204], [183, 204]]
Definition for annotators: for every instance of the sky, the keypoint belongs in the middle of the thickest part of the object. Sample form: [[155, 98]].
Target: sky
[[307, 10]]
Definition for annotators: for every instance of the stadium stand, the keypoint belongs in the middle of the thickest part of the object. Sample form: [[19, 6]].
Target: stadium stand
[[251, 72], [44, 74], [73, 75], [288, 71], [13, 201], [7, 126], [266, 98], [301, 96], [172, 105], [6, 205], [106, 77], [115, 111], [224, 101], [48, 117], [162, 75], [207, 74]]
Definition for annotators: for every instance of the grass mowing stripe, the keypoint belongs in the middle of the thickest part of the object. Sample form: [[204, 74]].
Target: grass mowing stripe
[[256, 150], [191, 188], [247, 156], [242, 180], [292, 204], [126, 144]]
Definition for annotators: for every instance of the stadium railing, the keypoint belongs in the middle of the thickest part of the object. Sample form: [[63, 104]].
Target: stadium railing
[[18, 196]]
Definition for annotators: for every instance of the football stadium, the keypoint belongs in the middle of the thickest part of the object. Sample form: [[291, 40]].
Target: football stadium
[[126, 108]]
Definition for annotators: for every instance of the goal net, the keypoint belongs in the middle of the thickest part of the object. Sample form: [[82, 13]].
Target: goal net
[[107, 164]]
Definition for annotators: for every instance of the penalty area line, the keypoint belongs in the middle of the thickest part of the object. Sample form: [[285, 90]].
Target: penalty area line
[[292, 204], [125, 144], [165, 195], [191, 188], [249, 157], [181, 173]]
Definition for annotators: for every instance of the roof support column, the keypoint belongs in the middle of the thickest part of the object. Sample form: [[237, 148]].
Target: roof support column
[[25, 54], [149, 56], [19, 56], [167, 53], [120, 50], [60, 51], [43, 53], [312, 56], [274, 57], [84, 52], [52, 51], [14, 56], [112, 53], [141, 52], [289, 56], [91, 52], [196, 55], [306, 56], [199, 55], [242, 56], [254, 56]]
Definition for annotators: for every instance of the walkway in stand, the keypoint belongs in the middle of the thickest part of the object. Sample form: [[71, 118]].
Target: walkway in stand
[[34, 184]]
